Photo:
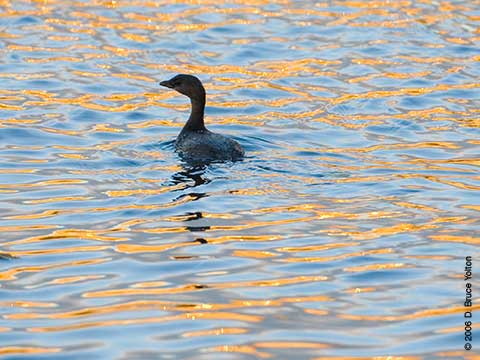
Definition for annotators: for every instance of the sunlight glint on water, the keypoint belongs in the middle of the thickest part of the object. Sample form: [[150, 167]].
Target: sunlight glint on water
[[343, 233]]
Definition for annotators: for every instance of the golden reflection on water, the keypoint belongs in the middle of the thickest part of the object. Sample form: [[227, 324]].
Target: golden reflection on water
[[139, 306], [11, 275], [416, 315], [369, 358], [24, 350], [187, 316], [197, 287], [80, 222]]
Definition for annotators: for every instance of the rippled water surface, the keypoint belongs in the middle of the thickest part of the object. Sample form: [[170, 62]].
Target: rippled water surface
[[342, 234]]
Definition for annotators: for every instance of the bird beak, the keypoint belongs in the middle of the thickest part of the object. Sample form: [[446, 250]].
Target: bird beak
[[167, 84]]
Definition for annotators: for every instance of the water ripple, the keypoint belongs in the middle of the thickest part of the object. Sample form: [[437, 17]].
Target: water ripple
[[351, 214]]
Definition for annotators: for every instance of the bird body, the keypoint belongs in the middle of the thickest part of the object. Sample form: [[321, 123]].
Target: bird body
[[195, 142], [204, 144]]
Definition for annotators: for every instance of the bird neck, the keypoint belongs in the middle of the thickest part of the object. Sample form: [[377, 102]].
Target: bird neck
[[195, 121]]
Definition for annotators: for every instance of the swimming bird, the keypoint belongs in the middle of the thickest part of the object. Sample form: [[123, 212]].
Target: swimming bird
[[195, 141]]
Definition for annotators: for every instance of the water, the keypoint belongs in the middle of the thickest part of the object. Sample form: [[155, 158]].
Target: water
[[343, 233]]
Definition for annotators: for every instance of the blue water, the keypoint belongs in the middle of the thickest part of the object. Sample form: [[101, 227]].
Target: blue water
[[343, 232]]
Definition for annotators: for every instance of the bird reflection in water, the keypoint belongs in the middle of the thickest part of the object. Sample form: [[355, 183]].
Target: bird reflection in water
[[7, 256], [194, 216], [192, 176], [191, 173]]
